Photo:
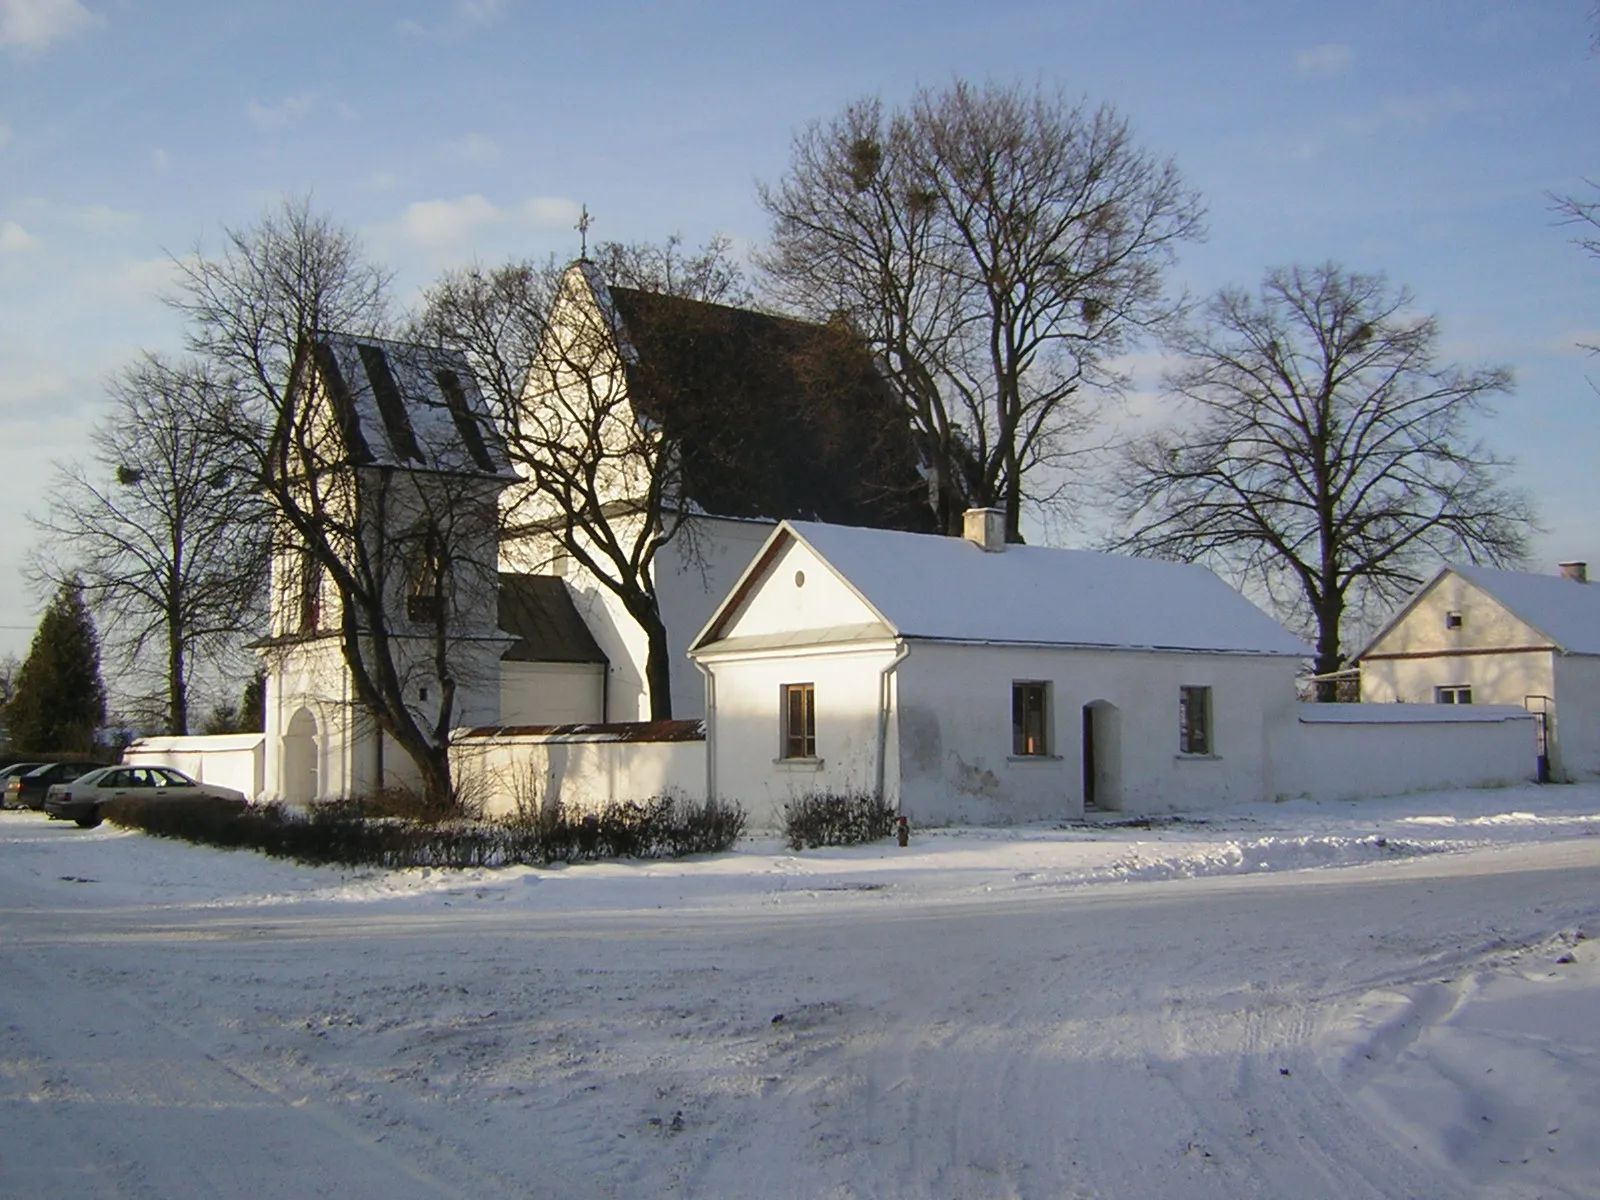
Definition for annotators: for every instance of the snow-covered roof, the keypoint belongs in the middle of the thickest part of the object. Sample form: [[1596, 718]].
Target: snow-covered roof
[[1564, 610], [947, 588], [409, 406]]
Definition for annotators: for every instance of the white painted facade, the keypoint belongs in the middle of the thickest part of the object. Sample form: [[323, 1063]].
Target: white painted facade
[[1348, 751], [692, 573], [580, 771], [392, 484], [929, 719], [1512, 637], [235, 760]]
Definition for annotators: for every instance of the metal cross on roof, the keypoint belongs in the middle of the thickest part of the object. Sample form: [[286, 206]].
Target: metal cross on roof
[[583, 231]]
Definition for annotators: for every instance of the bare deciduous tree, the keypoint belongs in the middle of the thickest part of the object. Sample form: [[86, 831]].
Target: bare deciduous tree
[[996, 246], [259, 311], [602, 475], [165, 527], [1329, 452]]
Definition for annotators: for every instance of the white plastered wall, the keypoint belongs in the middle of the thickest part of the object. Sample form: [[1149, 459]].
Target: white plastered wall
[[509, 772], [311, 678], [1575, 726], [533, 693], [955, 730], [1501, 657], [1349, 751], [747, 734], [693, 572]]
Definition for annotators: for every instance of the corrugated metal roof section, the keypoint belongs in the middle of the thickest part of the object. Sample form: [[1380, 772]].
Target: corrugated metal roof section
[[391, 405], [539, 612], [629, 731], [401, 404]]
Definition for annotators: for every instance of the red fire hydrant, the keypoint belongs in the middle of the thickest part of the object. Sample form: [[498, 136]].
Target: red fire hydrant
[[903, 832]]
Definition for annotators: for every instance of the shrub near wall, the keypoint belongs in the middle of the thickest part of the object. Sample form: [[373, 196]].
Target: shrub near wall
[[664, 827], [836, 820]]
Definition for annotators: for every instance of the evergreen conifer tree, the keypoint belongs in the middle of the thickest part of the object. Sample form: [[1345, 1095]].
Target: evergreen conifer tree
[[59, 703]]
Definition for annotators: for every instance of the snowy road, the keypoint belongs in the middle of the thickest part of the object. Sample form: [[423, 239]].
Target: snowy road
[[174, 1023]]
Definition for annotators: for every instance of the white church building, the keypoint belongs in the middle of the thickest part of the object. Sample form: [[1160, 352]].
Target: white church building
[[820, 635]]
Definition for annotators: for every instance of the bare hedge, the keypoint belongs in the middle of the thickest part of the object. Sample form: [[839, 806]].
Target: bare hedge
[[342, 833]]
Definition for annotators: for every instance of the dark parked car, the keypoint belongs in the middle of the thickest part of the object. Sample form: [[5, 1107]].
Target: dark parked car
[[81, 799], [27, 790], [11, 769]]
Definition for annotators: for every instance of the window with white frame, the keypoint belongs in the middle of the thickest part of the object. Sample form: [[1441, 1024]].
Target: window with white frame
[[1030, 718], [1454, 693], [1194, 720], [798, 708]]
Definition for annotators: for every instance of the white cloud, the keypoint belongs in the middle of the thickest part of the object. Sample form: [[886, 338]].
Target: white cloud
[[441, 224], [93, 218], [34, 24], [479, 12], [100, 218], [1320, 61], [475, 148], [282, 114], [549, 211], [1415, 113], [433, 223], [464, 15], [14, 238], [135, 283]]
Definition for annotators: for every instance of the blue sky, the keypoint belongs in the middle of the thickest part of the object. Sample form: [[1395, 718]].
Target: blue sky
[[1419, 139]]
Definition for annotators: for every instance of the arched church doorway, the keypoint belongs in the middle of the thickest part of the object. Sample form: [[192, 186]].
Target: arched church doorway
[[300, 758]]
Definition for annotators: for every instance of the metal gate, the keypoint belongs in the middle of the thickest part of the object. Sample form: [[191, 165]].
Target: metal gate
[[1539, 706]]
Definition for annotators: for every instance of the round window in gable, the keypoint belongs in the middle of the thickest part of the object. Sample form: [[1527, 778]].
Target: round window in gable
[[799, 579]]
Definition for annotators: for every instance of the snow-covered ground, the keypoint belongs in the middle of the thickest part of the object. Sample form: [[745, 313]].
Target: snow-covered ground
[[1389, 998]]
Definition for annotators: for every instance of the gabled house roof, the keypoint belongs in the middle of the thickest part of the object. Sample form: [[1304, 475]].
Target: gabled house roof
[[774, 417], [1564, 610], [405, 405], [539, 612], [924, 586]]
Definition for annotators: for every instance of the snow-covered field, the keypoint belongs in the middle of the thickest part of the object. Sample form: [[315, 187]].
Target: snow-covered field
[[1390, 998]]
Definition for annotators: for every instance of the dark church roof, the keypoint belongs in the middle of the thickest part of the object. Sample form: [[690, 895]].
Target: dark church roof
[[538, 611], [776, 417], [404, 405]]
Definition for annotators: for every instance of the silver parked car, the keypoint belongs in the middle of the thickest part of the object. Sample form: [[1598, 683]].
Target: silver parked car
[[82, 799]]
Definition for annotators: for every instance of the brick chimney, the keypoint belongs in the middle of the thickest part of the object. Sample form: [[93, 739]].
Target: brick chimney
[[985, 528], [1578, 572]]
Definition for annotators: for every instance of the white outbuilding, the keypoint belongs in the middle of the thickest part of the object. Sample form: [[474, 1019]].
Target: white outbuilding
[[1476, 635], [967, 680]]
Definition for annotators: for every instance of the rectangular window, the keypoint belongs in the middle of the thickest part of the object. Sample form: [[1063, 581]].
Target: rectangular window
[[1194, 720], [1030, 719], [799, 708], [1452, 620], [1456, 693]]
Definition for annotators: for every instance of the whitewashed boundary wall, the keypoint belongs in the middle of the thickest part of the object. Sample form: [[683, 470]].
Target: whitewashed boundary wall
[[1346, 751], [235, 760], [581, 767]]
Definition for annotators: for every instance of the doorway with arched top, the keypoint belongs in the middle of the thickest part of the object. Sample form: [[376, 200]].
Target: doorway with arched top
[[300, 773], [1102, 756]]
